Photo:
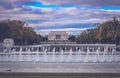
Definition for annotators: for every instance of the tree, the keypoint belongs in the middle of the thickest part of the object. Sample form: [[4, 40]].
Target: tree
[[72, 38], [4, 30], [107, 32], [20, 31]]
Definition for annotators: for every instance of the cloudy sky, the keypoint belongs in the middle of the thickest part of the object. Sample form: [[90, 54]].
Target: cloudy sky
[[73, 16]]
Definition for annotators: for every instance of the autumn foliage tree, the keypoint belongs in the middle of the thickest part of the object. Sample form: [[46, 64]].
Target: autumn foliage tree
[[19, 31], [107, 33]]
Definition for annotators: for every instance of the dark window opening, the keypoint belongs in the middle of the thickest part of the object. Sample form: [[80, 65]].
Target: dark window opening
[[58, 36]]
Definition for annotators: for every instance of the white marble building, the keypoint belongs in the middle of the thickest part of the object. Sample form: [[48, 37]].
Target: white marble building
[[58, 35]]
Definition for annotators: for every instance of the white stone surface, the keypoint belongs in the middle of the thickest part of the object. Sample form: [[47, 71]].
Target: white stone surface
[[60, 67]]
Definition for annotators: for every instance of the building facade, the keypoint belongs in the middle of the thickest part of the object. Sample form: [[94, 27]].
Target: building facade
[[58, 36]]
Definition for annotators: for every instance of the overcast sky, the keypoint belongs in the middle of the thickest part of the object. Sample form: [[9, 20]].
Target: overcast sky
[[73, 16]]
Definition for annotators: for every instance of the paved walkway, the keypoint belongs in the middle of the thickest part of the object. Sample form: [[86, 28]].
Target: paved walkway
[[60, 67]]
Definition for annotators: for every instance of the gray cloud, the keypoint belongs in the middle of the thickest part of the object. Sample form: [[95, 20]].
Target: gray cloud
[[83, 2], [10, 4], [47, 17]]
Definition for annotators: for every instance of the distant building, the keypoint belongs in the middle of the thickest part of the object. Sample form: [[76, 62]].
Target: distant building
[[58, 36]]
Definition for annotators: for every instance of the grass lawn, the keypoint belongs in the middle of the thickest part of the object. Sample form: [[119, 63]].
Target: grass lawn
[[59, 75]]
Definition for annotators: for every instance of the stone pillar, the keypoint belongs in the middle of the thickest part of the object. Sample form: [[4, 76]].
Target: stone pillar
[[113, 50], [61, 54], [87, 54], [53, 55], [79, 50], [21, 58], [106, 49], [44, 53], [53, 49], [98, 51], [71, 56], [65, 49]]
